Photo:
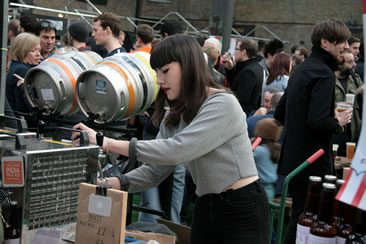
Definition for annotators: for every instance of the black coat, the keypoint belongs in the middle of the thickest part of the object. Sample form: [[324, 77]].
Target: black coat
[[307, 112], [14, 93], [247, 84]]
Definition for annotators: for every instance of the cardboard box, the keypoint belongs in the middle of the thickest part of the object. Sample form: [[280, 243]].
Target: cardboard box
[[147, 236]]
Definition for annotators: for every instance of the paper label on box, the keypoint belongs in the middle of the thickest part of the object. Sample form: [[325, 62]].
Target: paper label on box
[[100, 205], [12, 171]]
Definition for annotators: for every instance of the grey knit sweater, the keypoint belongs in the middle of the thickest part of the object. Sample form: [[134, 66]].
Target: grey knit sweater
[[215, 146]]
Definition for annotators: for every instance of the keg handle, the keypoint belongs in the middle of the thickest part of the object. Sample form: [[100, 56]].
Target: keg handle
[[21, 123], [101, 155], [19, 140]]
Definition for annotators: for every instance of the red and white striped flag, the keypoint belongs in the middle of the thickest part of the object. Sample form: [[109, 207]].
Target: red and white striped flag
[[353, 191]]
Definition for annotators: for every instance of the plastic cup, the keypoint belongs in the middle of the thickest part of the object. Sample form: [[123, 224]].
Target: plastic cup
[[350, 98], [343, 106], [350, 150], [335, 150]]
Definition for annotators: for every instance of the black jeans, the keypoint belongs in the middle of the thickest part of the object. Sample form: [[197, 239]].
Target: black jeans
[[298, 189], [239, 216]]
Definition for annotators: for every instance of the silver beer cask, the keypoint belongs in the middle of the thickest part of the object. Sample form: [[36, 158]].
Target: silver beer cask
[[119, 87], [50, 86]]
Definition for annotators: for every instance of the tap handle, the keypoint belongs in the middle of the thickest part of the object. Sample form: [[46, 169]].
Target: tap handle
[[100, 137]]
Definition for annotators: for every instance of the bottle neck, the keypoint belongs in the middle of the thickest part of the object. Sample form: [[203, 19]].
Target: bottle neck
[[326, 206], [312, 199], [360, 222]]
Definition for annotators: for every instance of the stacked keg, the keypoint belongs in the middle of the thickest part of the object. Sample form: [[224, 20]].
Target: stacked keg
[[117, 88], [113, 89], [50, 86]]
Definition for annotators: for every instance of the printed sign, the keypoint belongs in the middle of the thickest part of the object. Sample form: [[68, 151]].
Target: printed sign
[[12, 171]]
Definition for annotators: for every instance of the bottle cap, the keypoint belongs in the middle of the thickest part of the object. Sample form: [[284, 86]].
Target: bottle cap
[[315, 178], [329, 186]]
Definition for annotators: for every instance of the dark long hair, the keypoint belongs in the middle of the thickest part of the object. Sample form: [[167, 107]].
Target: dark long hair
[[280, 66], [194, 81]]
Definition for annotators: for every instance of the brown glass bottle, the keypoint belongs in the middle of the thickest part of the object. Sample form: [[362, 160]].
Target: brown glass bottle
[[344, 229], [338, 207], [323, 230], [330, 179], [359, 228], [307, 217]]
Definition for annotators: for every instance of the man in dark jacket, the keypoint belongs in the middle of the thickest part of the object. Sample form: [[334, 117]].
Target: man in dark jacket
[[247, 76], [307, 112]]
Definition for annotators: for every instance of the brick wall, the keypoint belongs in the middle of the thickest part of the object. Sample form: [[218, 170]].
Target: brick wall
[[291, 20]]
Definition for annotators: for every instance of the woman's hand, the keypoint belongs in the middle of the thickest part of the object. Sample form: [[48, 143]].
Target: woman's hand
[[75, 137], [110, 181], [344, 117]]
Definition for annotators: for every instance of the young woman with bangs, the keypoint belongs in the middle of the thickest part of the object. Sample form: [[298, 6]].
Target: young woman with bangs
[[205, 127]]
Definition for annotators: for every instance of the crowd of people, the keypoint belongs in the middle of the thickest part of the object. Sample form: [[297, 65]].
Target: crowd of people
[[210, 105]]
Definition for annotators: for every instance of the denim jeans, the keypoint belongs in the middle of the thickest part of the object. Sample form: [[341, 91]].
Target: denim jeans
[[238, 216], [150, 197]]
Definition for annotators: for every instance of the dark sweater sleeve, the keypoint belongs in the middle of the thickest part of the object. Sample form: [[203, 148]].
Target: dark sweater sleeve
[[320, 118]]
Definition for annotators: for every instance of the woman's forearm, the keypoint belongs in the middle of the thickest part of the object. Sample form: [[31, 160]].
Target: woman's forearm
[[116, 146]]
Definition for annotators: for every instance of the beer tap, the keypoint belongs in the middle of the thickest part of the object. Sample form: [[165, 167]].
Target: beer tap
[[101, 154]]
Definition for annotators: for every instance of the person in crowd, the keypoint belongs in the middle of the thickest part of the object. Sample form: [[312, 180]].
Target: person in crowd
[[246, 76], [293, 49], [260, 54], [272, 48], [355, 47], [78, 33], [271, 99], [213, 47], [25, 54], [307, 111], [144, 38], [267, 153], [220, 161], [27, 23], [13, 31], [121, 37], [46, 32], [300, 54], [170, 27], [211, 57], [106, 29], [348, 82], [279, 73]]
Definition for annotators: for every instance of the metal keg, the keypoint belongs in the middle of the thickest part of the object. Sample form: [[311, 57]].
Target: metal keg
[[119, 87], [50, 86]]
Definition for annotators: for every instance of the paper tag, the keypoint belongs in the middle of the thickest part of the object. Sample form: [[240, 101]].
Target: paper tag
[[12, 171], [47, 94], [100, 205]]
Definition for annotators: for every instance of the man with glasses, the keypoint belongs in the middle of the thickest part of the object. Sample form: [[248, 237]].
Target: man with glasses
[[46, 32], [348, 82], [246, 76]]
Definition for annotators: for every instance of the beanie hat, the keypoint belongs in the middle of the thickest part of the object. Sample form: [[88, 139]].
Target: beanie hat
[[79, 31], [212, 41], [268, 129]]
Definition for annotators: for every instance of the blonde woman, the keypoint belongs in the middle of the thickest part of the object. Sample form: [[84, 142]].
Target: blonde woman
[[25, 54]]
